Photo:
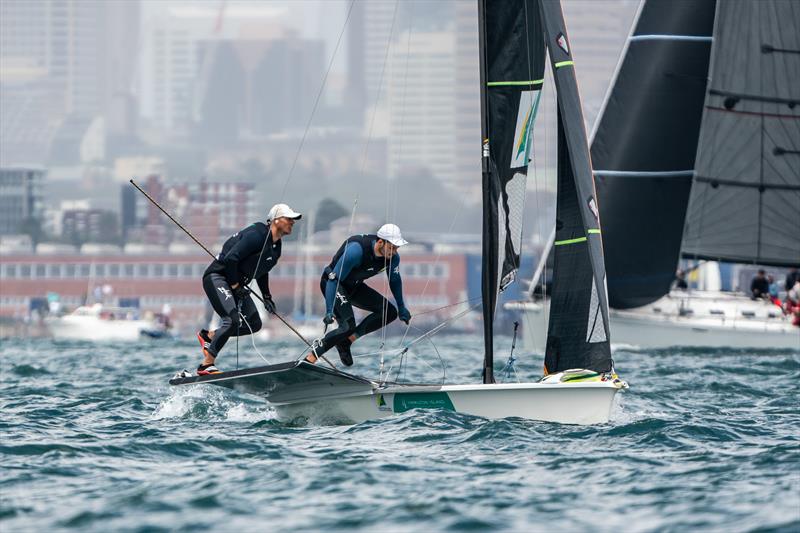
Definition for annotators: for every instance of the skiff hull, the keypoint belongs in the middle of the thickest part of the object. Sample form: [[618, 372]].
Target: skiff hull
[[304, 393], [565, 403]]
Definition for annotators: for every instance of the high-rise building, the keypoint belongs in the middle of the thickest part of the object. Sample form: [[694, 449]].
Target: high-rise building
[[21, 198], [422, 103], [377, 18], [257, 87], [61, 58]]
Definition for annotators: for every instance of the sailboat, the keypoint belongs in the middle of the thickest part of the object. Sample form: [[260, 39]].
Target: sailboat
[[580, 382], [697, 154]]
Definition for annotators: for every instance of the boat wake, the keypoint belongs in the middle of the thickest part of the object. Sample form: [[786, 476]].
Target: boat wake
[[202, 403]]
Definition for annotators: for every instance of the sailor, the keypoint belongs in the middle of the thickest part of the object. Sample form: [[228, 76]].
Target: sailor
[[792, 277], [759, 286], [247, 255], [359, 258], [680, 280]]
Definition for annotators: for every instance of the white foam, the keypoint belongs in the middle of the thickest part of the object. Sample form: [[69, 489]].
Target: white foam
[[241, 412], [180, 402]]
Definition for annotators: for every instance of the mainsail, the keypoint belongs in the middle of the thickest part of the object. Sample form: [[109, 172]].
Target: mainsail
[[513, 37], [745, 199], [512, 72], [644, 146], [578, 334]]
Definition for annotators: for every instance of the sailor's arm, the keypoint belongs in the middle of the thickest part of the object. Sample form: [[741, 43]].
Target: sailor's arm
[[263, 286], [396, 286]]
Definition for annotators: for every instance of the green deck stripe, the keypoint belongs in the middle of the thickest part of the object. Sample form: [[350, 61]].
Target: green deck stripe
[[512, 83], [564, 63], [594, 231], [570, 241]]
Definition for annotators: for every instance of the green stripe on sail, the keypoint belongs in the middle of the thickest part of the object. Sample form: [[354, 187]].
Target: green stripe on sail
[[513, 83], [564, 63], [577, 239], [570, 241]]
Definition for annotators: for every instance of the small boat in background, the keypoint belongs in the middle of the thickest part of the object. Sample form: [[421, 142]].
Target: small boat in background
[[101, 323]]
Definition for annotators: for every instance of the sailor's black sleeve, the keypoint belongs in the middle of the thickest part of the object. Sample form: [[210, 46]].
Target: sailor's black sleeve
[[250, 243], [263, 285]]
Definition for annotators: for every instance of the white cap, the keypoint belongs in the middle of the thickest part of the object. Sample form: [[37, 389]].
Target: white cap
[[282, 210], [391, 233]]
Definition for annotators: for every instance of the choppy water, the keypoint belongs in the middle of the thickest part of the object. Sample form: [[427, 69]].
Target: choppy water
[[92, 438]]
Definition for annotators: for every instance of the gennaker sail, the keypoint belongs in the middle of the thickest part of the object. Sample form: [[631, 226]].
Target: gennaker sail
[[644, 146], [697, 151]]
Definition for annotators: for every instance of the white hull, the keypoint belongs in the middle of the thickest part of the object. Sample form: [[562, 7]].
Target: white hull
[[303, 393], [90, 327], [716, 320], [565, 403]]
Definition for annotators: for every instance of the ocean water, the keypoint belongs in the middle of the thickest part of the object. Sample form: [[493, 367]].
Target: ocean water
[[93, 439]]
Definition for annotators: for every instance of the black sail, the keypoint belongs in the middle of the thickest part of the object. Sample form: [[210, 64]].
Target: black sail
[[512, 69], [578, 333], [745, 200], [644, 146]]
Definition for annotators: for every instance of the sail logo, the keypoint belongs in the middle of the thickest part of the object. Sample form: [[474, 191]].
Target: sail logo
[[561, 41], [526, 114], [593, 207]]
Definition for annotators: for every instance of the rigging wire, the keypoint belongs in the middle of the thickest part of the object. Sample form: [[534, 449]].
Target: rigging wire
[[316, 101], [300, 146]]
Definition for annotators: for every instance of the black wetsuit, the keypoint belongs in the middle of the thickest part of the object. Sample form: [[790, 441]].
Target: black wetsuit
[[343, 286], [247, 255]]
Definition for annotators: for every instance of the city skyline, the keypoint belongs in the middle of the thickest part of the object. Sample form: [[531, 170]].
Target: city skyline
[[227, 92]]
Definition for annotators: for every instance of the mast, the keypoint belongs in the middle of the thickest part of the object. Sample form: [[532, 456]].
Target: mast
[[489, 270]]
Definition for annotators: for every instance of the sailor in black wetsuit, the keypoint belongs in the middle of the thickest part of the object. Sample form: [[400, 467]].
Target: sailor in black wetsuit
[[360, 257], [246, 256]]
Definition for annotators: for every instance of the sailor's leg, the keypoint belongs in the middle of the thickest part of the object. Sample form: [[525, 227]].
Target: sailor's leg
[[251, 321], [382, 312], [343, 312], [222, 300]]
